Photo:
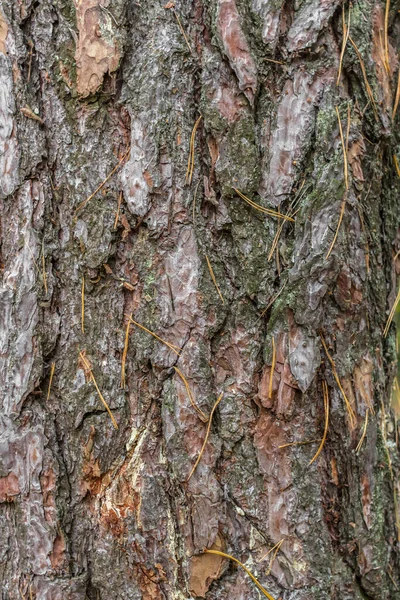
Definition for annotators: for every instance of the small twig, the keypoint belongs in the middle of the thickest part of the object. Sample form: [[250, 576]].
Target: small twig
[[190, 166], [83, 204], [326, 408], [182, 31], [391, 314], [267, 211], [272, 368], [125, 352], [88, 370], [28, 112], [44, 269], [118, 207], [83, 305], [214, 280], [53, 366], [207, 434], [258, 584], [170, 346], [201, 414], [336, 376], [360, 443], [346, 33]]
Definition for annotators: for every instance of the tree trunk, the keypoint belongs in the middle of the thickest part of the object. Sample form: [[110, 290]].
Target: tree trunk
[[282, 311]]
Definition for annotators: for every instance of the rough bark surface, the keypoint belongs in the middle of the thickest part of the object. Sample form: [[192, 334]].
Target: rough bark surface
[[91, 512]]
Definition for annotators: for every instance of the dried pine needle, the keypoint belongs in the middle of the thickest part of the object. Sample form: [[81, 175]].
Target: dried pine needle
[[170, 346], [345, 164], [125, 352], [201, 414], [367, 86], [276, 549], [118, 207], [346, 33], [391, 314], [341, 215], [83, 305], [278, 545], [207, 434], [271, 377], [267, 211], [44, 269], [194, 203], [336, 376], [360, 443], [258, 584], [273, 300], [299, 443], [397, 98], [396, 164], [88, 371], [214, 280], [326, 407], [386, 38], [83, 204], [53, 366], [366, 239], [183, 31], [190, 166]]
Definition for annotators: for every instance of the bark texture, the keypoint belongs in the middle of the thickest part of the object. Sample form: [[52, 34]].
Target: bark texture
[[91, 512]]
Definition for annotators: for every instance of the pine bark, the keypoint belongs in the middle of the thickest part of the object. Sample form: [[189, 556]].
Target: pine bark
[[88, 511]]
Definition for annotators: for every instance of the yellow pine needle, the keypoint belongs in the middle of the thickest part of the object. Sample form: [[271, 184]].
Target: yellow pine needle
[[83, 204], [276, 238], [396, 164], [326, 407], [360, 443], [258, 584], [118, 207], [88, 369], [345, 165], [170, 346], [342, 209], [214, 280], [190, 166], [44, 269], [83, 305], [336, 376], [183, 31], [386, 38], [53, 366], [397, 98], [391, 314], [207, 434], [368, 87], [267, 211], [201, 414], [125, 352], [346, 33], [271, 377], [299, 443]]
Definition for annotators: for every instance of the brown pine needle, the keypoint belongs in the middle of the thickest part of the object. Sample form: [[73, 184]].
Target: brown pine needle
[[396, 164], [299, 443], [276, 549], [391, 314], [207, 434], [336, 376], [260, 587], [44, 269], [397, 98], [366, 240], [345, 165], [201, 414], [194, 203], [278, 545], [360, 443], [267, 211], [183, 31], [190, 166], [118, 207], [273, 300], [368, 87], [83, 204], [346, 33], [276, 238], [386, 38], [88, 370], [341, 215], [170, 346], [83, 305], [326, 407], [271, 377], [214, 280], [125, 352], [53, 366]]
